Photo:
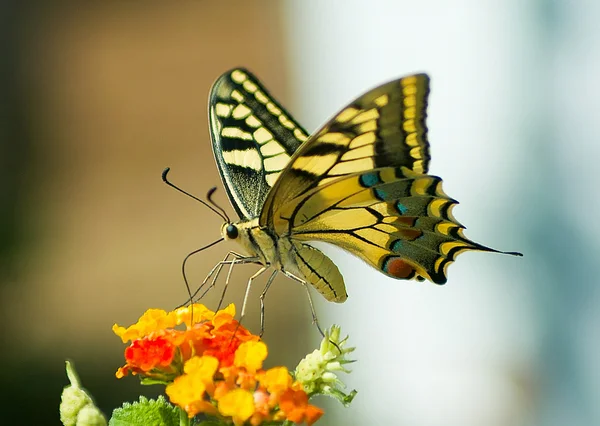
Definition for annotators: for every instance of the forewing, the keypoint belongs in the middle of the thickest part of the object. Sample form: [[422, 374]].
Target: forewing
[[253, 139], [384, 127]]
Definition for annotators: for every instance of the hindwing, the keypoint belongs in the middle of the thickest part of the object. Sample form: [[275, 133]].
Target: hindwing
[[398, 221], [253, 139]]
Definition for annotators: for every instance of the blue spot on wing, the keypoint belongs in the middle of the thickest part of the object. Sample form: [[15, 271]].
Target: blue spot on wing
[[401, 207], [397, 246], [369, 180], [380, 194]]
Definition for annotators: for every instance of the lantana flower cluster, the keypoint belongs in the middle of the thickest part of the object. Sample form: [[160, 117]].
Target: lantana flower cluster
[[212, 365]]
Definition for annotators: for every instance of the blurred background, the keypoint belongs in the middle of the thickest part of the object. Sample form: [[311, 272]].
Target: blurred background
[[98, 99]]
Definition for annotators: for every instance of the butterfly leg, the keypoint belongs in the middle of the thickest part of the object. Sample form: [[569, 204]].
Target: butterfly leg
[[240, 260], [248, 286], [236, 259], [310, 301], [262, 302], [217, 268], [214, 273]]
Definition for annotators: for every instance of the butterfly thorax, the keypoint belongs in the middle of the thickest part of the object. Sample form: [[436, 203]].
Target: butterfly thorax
[[259, 242]]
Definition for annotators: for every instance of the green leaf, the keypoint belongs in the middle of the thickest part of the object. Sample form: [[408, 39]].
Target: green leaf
[[146, 412]]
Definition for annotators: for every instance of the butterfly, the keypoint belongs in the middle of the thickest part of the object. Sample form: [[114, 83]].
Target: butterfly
[[360, 182]]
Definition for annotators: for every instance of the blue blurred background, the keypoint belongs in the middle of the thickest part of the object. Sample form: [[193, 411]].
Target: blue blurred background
[[98, 99]]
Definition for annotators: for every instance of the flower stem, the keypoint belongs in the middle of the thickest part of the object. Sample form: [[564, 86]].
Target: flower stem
[[184, 420]]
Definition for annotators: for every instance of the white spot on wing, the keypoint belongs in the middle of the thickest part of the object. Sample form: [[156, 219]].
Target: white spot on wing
[[262, 135], [272, 178], [277, 162], [271, 148], [236, 133], [222, 110], [241, 111], [238, 76], [249, 159]]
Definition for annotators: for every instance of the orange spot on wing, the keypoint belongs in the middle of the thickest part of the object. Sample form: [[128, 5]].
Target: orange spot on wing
[[399, 268], [406, 220], [410, 234]]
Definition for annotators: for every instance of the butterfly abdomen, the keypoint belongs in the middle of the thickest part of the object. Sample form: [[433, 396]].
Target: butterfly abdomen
[[320, 271]]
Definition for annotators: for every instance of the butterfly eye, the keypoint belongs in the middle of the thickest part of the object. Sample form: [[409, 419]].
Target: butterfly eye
[[232, 232]]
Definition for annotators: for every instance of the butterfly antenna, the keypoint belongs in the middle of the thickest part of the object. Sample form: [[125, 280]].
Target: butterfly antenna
[[165, 180], [185, 280], [209, 195], [184, 263]]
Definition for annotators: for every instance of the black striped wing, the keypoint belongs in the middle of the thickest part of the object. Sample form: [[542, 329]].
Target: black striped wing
[[384, 127], [253, 139]]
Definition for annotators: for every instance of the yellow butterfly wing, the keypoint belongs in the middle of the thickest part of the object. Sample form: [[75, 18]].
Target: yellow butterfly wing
[[383, 127], [360, 183]]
